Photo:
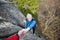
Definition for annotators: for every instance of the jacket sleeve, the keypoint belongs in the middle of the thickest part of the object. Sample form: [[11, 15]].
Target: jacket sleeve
[[32, 24]]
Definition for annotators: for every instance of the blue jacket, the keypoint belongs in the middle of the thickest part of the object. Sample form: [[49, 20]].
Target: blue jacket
[[30, 24]]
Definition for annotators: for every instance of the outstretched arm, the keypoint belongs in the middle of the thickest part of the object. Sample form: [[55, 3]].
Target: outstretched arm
[[24, 31], [32, 24]]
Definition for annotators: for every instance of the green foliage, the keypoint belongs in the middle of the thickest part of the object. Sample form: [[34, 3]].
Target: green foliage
[[28, 6]]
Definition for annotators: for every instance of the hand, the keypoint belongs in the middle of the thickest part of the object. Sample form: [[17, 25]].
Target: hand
[[21, 32], [25, 30]]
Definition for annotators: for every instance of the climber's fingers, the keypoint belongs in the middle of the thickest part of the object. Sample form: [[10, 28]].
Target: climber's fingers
[[21, 32]]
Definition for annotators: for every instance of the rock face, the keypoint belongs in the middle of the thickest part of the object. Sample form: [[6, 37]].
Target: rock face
[[49, 18], [30, 36], [11, 13], [7, 29]]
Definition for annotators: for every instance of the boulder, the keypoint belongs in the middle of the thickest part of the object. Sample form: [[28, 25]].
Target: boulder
[[7, 28], [11, 13]]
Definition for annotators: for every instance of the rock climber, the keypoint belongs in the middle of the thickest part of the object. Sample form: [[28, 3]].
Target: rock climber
[[30, 23]]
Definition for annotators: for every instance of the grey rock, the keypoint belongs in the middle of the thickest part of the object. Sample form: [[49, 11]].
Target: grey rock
[[30, 36], [11, 13], [7, 29]]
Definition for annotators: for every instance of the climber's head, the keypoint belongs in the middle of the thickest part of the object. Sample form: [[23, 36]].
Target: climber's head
[[29, 17]]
